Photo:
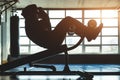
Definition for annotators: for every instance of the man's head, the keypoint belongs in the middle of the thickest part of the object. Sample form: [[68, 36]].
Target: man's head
[[29, 11]]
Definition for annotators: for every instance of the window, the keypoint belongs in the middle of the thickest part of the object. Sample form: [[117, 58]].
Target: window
[[105, 43]]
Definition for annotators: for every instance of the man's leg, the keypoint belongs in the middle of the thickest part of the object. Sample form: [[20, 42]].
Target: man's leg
[[70, 24], [90, 31]]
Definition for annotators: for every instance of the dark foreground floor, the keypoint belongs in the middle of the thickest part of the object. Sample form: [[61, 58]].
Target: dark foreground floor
[[73, 67]]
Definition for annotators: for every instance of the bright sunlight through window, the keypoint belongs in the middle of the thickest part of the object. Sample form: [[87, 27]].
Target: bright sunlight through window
[[105, 43]]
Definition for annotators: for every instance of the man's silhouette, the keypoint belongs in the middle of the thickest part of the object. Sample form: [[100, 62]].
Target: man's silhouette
[[38, 28]]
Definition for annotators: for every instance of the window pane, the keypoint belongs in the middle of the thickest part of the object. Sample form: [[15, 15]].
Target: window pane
[[72, 40], [22, 23], [77, 50], [54, 22], [92, 49], [110, 31], [74, 13], [92, 13], [22, 32], [24, 41], [109, 40], [80, 20], [35, 49], [56, 13], [110, 22], [24, 49], [109, 13], [93, 42], [110, 49], [32, 43]]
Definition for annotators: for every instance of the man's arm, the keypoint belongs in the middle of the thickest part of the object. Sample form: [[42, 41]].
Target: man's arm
[[42, 15]]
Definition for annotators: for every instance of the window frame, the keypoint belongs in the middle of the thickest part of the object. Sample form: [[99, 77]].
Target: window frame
[[82, 18]]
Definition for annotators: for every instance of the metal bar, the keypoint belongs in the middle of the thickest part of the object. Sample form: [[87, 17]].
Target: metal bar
[[39, 73], [105, 73], [57, 73], [34, 57], [5, 3], [8, 7]]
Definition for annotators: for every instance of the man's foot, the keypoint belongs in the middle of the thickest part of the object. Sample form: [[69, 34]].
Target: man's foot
[[92, 30], [97, 31]]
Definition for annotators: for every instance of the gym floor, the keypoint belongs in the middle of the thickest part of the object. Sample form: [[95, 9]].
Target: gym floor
[[73, 67]]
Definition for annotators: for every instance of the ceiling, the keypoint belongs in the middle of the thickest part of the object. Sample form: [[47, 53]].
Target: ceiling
[[71, 3]]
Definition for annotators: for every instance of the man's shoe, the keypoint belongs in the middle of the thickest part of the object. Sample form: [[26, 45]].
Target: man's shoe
[[92, 31]]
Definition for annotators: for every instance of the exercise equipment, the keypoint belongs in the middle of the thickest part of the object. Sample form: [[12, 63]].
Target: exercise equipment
[[46, 54], [42, 55], [14, 36]]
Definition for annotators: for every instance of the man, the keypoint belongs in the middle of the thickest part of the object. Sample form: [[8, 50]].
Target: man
[[38, 28]]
